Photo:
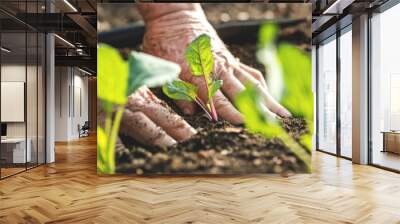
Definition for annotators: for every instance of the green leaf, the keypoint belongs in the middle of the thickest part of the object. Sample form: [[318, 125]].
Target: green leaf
[[199, 56], [249, 104], [180, 90], [214, 87], [267, 34], [145, 69], [112, 78], [298, 97]]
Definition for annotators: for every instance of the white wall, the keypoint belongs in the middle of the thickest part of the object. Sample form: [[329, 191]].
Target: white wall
[[71, 93], [62, 81]]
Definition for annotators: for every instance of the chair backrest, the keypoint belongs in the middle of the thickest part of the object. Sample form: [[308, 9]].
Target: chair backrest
[[86, 125]]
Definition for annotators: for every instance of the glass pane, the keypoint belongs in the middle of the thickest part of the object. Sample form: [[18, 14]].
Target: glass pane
[[13, 86], [385, 84], [31, 98], [32, 86], [327, 96], [346, 94], [41, 98]]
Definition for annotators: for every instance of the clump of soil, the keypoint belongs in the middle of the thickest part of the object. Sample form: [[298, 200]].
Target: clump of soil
[[296, 127], [217, 148]]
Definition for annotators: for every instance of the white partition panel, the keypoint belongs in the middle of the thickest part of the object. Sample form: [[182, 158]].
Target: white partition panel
[[12, 101]]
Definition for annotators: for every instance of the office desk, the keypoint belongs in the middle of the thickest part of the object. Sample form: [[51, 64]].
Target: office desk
[[391, 141], [13, 150]]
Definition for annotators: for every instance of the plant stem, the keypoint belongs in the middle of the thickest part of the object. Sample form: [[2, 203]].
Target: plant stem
[[201, 104], [212, 107], [113, 138], [107, 127], [213, 111]]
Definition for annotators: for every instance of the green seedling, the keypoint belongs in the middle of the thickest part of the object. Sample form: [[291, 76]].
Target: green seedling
[[289, 79], [199, 57], [289, 75], [249, 102], [117, 79]]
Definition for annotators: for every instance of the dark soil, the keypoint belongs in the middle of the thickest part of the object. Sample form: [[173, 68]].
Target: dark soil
[[247, 55], [218, 148], [296, 127]]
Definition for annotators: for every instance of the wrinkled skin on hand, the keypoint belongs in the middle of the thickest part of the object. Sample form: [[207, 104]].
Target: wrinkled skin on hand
[[168, 33], [148, 120]]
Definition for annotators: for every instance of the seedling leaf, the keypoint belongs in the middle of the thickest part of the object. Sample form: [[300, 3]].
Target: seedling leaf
[[180, 90], [298, 97], [249, 104], [199, 56], [112, 75], [214, 87], [145, 69]]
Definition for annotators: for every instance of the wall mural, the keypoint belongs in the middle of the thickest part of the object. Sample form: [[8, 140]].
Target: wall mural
[[204, 88]]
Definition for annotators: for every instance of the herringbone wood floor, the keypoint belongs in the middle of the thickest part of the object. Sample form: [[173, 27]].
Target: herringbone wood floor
[[69, 191]]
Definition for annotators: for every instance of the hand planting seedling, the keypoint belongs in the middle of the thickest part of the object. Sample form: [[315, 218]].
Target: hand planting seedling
[[200, 59], [117, 79]]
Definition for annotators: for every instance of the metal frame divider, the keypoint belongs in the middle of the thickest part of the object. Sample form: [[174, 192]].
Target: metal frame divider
[[316, 97], [338, 73]]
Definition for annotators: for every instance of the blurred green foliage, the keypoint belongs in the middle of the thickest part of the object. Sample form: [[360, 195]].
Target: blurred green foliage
[[249, 104], [291, 75], [145, 69], [267, 35], [298, 96], [110, 62], [116, 80]]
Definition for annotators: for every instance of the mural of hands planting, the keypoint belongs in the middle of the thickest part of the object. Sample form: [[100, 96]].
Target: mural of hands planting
[[199, 96]]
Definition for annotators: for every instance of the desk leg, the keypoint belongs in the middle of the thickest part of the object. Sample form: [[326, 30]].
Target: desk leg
[[384, 143]]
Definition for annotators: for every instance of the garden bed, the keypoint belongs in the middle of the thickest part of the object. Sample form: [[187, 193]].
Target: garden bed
[[218, 147]]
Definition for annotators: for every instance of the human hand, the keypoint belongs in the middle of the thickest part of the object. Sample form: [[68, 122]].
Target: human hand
[[168, 33], [148, 120]]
